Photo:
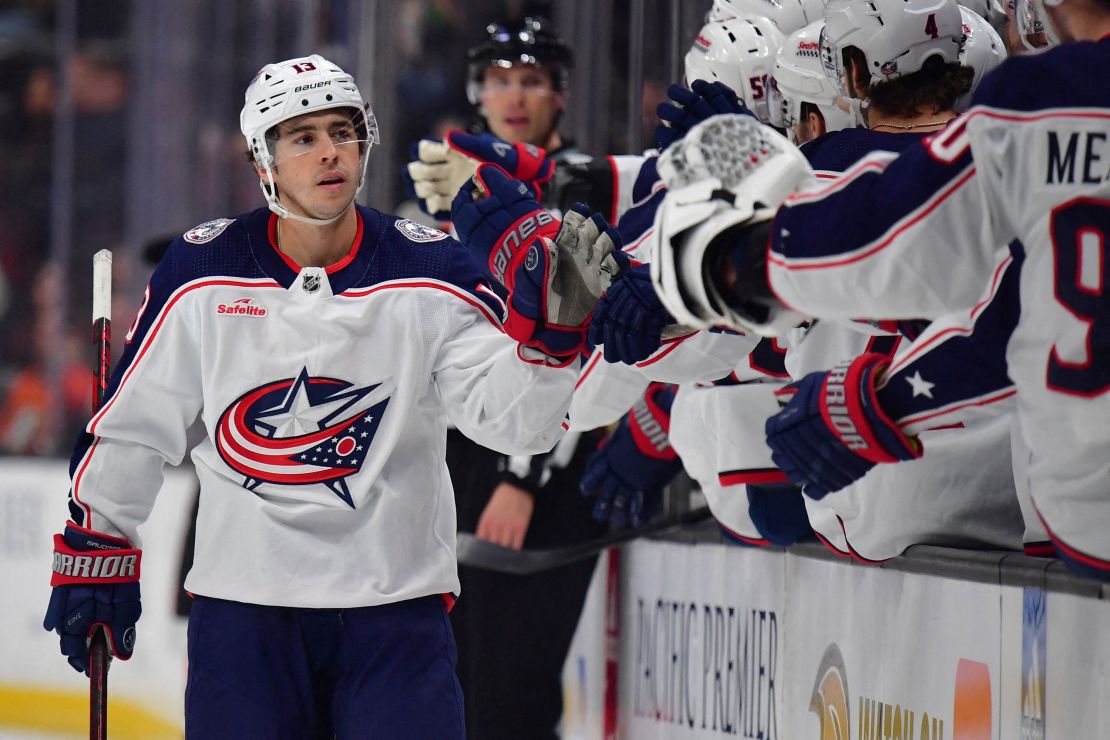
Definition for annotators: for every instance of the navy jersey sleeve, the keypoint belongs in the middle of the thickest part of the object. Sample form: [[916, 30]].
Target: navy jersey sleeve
[[957, 369]]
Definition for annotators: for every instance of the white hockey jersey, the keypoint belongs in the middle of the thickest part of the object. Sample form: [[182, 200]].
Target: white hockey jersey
[[917, 235], [325, 394], [959, 494]]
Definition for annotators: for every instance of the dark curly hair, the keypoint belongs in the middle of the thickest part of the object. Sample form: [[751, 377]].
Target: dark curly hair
[[934, 88]]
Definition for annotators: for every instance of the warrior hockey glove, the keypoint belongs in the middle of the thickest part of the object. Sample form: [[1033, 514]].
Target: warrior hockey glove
[[96, 584], [833, 431], [629, 472], [440, 168], [629, 318], [554, 272], [687, 108]]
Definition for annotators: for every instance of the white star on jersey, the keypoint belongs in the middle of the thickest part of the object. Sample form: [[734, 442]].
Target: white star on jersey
[[296, 415], [921, 387]]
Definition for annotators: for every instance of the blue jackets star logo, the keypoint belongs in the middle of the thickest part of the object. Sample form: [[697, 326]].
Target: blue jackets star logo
[[302, 431]]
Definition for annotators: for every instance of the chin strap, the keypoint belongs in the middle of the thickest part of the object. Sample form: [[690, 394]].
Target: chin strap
[[284, 212]]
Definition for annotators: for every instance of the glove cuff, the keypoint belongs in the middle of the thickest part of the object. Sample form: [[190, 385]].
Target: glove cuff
[[511, 250], [534, 166], [850, 408], [650, 425], [83, 556]]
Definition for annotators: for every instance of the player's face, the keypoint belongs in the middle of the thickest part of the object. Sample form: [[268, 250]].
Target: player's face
[[318, 163], [810, 127], [520, 104]]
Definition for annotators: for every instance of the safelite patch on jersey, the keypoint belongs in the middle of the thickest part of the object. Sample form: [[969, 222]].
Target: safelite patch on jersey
[[419, 232], [207, 231]]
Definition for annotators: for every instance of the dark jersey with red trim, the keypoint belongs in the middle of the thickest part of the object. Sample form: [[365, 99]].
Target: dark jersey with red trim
[[325, 395], [924, 234]]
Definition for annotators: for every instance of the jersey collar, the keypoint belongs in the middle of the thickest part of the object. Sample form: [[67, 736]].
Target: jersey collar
[[342, 274]]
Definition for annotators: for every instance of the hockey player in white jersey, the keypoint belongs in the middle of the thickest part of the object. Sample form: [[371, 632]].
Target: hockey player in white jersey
[[323, 346], [918, 235]]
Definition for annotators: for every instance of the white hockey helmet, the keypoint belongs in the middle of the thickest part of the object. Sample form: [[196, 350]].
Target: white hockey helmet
[[983, 51], [288, 89], [992, 11], [1032, 20], [787, 15], [799, 77], [740, 53], [895, 36]]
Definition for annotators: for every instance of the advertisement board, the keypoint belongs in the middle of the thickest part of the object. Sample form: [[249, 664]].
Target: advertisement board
[[703, 642], [874, 653]]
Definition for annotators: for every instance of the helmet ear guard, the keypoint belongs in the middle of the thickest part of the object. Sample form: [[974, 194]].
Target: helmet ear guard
[[727, 175]]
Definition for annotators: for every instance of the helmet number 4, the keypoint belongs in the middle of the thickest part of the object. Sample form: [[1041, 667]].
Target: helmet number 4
[[931, 29]]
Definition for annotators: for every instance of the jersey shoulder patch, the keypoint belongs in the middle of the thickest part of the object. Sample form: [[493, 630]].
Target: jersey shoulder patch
[[207, 231], [414, 231]]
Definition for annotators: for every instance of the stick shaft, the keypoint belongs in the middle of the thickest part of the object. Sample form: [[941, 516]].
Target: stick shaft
[[102, 325], [99, 657], [99, 660]]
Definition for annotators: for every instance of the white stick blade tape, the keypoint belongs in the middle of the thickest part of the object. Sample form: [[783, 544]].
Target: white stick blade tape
[[102, 285]]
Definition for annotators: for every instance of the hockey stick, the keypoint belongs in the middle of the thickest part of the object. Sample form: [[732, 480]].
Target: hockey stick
[[99, 657], [478, 553]]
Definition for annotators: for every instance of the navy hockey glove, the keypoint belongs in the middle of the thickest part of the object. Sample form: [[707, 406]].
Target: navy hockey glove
[[689, 107], [96, 584], [629, 318], [440, 168], [628, 473], [779, 513], [554, 272], [833, 431]]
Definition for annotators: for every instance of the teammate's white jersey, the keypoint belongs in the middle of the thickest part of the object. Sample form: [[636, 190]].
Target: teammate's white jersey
[[959, 494], [917, 235], [325, 395]]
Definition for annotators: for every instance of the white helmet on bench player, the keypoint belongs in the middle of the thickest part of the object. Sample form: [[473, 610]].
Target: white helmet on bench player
[[292, 88], [740, 53], [983, 51], [799, 77], [895, 36]]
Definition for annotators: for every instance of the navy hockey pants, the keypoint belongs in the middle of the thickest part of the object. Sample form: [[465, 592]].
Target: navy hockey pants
[[278, 672]]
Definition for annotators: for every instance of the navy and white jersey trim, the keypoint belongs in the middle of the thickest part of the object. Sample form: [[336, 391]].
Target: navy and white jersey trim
[[956, 368]]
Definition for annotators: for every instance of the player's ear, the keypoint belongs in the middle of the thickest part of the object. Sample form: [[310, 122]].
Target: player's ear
[[816, 123]]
